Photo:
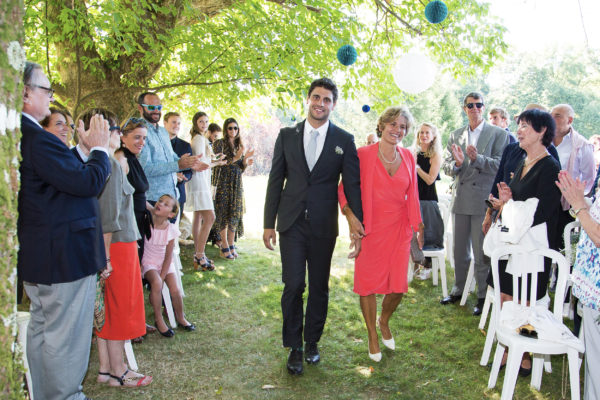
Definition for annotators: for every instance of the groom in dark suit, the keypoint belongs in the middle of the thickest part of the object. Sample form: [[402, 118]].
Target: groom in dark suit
[[308, 160]]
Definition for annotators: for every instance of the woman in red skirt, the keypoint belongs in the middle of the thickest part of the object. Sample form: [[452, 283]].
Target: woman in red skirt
[[123, 297]]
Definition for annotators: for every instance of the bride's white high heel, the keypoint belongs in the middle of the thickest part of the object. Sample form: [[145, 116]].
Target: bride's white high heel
[[375, 357], [389, 343]]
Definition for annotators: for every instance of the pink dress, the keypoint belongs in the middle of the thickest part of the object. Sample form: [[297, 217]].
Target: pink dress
[[391, 214], [156, 247]]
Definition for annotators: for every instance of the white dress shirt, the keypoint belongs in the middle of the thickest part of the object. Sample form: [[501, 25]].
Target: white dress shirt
[[584, 166], [322, 133], [474, 134]]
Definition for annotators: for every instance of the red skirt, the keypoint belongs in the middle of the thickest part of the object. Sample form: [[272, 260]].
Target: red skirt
[[123, 297]]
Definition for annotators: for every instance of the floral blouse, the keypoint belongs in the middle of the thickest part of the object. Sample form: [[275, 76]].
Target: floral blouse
[[586, 270]]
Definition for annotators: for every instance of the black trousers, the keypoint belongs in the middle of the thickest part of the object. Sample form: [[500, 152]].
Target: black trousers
[[301, 248]]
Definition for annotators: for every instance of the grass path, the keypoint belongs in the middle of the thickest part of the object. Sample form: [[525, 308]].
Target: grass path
[[236, 349]]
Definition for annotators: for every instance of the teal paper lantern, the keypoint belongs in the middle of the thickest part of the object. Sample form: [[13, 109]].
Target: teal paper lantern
[[346, 54], [436, 11]]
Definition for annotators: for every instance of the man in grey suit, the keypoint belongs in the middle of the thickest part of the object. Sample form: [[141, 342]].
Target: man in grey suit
[[475, 152]]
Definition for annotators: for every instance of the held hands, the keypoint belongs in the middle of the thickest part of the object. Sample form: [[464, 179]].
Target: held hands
[[472, 152], [504, 192], [356, 244], [105, 274], [458, 155], [270, 238], [97, 136], [572, 189]]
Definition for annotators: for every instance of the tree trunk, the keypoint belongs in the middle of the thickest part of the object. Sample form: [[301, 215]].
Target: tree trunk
[[11, 64]]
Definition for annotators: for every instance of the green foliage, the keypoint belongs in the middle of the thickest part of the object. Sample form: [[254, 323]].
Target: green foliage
[[218, 58]]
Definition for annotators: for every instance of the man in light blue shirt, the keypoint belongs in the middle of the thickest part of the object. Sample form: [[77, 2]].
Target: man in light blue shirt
[[159, 161]]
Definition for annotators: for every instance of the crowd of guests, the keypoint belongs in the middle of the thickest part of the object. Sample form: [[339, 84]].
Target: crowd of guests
[[111, 206]]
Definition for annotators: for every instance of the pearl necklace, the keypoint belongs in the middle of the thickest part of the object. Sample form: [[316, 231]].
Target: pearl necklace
[[528, 164], [386, 161]]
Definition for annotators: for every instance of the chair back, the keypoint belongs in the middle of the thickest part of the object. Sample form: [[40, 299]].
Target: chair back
[[569, 229], [521, 298]]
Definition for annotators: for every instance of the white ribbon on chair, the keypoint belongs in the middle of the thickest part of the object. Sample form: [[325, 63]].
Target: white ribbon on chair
[[515, 228]]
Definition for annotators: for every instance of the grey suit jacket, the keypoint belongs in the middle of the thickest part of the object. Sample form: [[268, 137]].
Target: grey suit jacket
[[472, 180]]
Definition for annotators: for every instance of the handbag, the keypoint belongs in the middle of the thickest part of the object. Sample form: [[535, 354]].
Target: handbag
[[99, 308]]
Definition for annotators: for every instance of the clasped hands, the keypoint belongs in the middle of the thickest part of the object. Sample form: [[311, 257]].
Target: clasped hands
[[459, 156], [194, 163]]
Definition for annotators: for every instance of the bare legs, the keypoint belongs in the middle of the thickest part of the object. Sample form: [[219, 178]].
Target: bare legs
[[368, 306], [201, 224], [110, 353], [156, 285]]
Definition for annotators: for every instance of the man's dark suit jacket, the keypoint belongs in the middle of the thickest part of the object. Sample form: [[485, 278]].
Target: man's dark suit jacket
[[59, 230], [181, 147], [312, 192]]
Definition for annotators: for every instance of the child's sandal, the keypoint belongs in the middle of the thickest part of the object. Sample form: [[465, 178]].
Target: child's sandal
[[134, 381]]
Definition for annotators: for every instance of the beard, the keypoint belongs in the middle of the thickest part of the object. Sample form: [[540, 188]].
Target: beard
[[153, 118]]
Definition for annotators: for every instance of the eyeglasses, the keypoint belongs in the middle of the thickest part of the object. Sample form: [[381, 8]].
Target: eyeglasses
[[232, 128], [471, 105], [151, 107], [47, 89], [133, 121]]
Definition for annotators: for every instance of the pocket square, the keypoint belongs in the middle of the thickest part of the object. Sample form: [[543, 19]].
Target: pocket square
[[338, 150]]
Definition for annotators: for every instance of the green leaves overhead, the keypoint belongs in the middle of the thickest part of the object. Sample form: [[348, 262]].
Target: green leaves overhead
[[224, 54]]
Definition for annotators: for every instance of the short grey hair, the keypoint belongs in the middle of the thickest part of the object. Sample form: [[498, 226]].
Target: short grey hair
[[30, 67], [473, 95]]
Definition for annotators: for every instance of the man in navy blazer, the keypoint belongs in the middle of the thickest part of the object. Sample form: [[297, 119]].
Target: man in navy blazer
[[61, 248], [308, 160]]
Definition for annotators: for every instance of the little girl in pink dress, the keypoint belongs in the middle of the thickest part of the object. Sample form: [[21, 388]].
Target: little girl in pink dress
[[158, 266]]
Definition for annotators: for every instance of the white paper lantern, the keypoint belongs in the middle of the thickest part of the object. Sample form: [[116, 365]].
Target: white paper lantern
[[414, 73]]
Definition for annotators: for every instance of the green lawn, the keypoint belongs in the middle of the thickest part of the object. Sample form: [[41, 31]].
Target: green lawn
[[236, 350]]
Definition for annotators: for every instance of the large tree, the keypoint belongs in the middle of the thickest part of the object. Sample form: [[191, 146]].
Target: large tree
[[220, 52], [11, 63]]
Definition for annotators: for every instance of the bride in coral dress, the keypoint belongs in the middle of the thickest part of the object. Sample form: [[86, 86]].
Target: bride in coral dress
[[391, 212]]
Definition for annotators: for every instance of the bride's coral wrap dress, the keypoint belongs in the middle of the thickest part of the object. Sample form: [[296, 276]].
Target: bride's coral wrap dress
[[391, 213]]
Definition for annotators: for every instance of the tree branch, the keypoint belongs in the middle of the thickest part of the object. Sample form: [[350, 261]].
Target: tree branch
[[391, 12]]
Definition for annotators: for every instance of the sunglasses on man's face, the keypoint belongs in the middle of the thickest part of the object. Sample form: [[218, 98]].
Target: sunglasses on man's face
[[151, 107], [471, 105], [232, 128]]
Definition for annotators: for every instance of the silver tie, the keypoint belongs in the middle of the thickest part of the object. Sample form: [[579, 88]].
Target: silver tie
[[311, 152]]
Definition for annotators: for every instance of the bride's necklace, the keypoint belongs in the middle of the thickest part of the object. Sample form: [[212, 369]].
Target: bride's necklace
[[527, 164], [386, 161]]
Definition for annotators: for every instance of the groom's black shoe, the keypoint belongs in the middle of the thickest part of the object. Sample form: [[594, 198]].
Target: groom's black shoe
[[294, 362], [311, 353], [478, 309], [450, 299]]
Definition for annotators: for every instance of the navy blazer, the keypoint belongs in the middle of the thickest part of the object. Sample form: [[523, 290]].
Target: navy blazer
[[59, 230], [181, 147], [293, 189]]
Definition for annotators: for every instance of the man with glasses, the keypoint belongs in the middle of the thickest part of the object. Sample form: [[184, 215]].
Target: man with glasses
[[474, 155], [159, 161], [61, 248]]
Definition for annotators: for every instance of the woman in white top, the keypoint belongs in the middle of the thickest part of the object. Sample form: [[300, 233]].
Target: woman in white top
[[199, 194]]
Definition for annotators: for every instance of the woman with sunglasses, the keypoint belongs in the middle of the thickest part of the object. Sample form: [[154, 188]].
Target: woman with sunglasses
[[123, 297], [229, 194]]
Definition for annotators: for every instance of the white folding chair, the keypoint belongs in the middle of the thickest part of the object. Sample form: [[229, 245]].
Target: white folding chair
[[570, 228], [438, 256], [517, 345], [130, 356], [469, 283], [169, 306], [22, 324], [177, 261]]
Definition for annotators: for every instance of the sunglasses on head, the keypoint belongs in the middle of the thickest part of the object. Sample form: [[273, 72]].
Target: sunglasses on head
[[471, 105], [232, 128], [133, 121], [150, 107], [115, 129]]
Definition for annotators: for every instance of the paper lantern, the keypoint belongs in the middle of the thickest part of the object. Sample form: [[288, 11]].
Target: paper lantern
[[436, 11], [347, 54], [366, 108], [414, 73]]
